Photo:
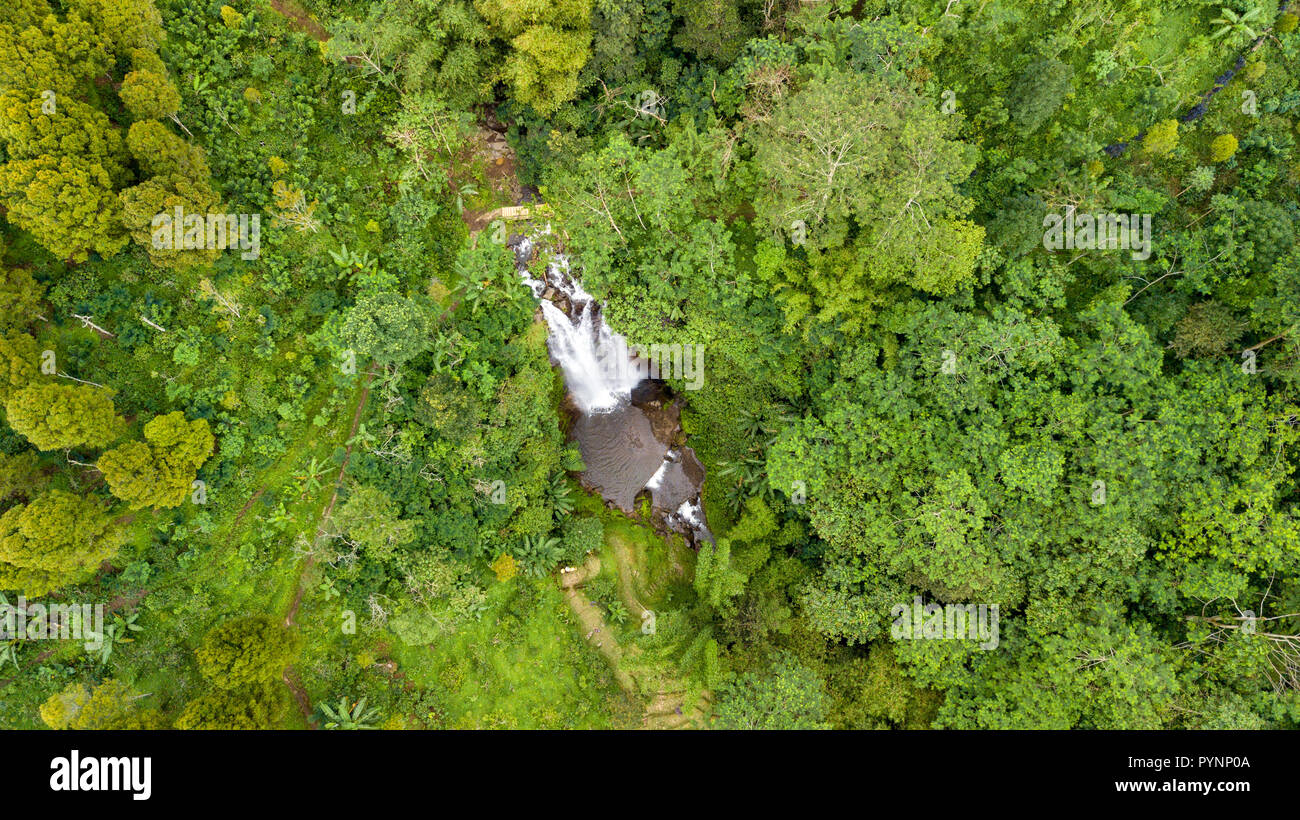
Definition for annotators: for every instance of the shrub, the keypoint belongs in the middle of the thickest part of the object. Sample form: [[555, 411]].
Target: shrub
[[1223, 147]]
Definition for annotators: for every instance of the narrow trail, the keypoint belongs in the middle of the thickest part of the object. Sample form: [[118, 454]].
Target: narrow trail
[[249, 504], [661, 693], [301, 19], [323, 522], [592, 622], [290, 677]]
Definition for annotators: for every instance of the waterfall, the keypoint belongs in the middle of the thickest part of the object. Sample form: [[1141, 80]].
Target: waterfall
[[598, 368], [619, 445]]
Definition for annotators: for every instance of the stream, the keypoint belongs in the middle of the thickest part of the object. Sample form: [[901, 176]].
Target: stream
[[627, 426]]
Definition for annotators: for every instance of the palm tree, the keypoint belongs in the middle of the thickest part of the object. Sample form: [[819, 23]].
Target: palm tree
[[751, 422], [749, 471]]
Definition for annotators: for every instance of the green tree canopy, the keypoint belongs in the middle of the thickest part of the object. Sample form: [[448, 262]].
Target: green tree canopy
[[250, 706], [159, 471], [245, 651], [388, 328], [55, 540], [55, 416]]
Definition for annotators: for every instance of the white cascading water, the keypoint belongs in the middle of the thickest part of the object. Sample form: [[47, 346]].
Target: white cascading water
[[597, 368]]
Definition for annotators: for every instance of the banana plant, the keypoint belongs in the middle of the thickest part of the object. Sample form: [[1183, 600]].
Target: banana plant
[[444, 346], [473, 295], [560, 495], [1230, 22], [351, 260], [467, 190], [356, 716], [9, 654], [115, 633], [309, 479]]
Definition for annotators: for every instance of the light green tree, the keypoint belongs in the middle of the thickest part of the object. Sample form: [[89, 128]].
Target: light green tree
[[1223, 147], [550, 42], [66, 202], [159, 471], [110, 705], [1161, 139], [20, 297], [243, 651], [55, 416], [251, 706], [18, 363], [55, 540]]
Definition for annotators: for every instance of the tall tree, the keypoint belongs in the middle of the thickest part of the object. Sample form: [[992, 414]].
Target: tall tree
[[550, 43], [853, 155], [55, 416], [159, 471], [244, 651], [55, 540]]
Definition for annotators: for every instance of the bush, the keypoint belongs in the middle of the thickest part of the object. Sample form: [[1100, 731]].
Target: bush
[[581, 536], [1223, 147], [1161, 139]]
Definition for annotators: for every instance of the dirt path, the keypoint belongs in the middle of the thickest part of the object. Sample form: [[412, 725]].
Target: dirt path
[[323, 523], [290, 676], [662, 694], [290, 679], [665, 709], [592, 623], [301, 19], [627, 570], [249, 505]]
